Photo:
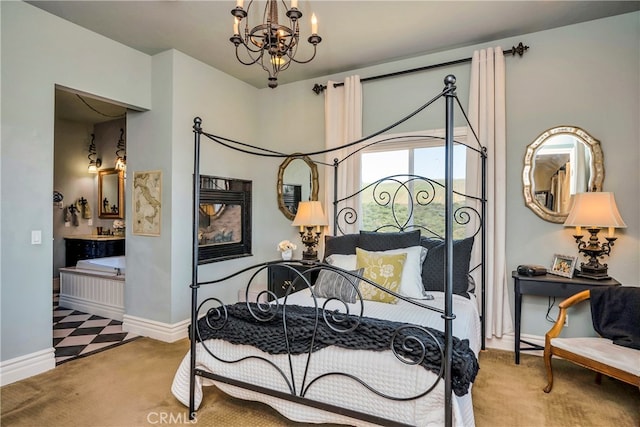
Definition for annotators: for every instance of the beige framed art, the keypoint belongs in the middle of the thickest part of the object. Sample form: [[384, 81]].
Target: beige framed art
[[147, 203], [563, 265]]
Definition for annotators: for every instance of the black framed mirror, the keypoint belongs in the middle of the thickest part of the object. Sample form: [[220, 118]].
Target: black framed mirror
[[560, 163], [297, 181], [111, 194]]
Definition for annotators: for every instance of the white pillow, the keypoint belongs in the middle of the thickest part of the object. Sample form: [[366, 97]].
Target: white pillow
[[346, 262], [411, 282]]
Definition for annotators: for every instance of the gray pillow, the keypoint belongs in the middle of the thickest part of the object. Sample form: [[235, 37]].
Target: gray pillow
[[381, 241], [335, 285], [343, 245], [433, 268]]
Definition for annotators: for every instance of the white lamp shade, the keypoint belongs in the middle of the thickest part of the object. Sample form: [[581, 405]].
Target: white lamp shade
[[594, 209], [310, 214]]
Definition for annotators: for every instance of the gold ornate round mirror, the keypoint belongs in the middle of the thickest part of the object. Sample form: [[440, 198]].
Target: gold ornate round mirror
[[297, 181], [561, 162]]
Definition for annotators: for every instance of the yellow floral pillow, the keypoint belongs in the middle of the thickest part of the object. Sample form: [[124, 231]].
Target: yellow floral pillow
[[384, 269]]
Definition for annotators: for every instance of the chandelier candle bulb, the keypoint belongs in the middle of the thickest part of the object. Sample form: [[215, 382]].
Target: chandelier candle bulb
[[314, 24], [294, 3], [235, 26], [612, 232], [240, 3], [578, 230]]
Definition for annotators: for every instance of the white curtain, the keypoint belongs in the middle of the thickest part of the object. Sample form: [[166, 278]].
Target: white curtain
[[488, 118], [343, 124]]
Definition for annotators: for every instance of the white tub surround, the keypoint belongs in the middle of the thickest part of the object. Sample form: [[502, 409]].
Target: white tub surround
[[94, 286]]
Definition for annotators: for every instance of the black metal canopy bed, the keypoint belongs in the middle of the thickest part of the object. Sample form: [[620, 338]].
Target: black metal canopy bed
[[386, 329]]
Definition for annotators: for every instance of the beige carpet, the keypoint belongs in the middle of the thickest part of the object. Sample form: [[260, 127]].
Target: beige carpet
[[130, 386]]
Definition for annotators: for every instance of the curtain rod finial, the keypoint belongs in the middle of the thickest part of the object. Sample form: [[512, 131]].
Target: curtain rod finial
[[318, 88]]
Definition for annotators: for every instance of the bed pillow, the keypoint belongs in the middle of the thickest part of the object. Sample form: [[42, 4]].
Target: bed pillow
[[433, 268], [380, 241], [335, 285], [411, 282], [345, 262], [385, 270], [344, 245]]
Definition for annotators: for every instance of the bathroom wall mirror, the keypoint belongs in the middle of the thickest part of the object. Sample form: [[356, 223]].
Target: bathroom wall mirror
[[561, 162], [111, 194], [297, 181]]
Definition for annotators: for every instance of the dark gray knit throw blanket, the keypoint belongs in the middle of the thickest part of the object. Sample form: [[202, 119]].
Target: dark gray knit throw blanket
[[371, 334]]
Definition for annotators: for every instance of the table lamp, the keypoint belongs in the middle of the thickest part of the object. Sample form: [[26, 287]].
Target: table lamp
[[594, 210], [309, 216]]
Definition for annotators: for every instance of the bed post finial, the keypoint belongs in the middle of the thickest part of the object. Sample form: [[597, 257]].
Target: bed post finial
[[450, 80], [196, 124]]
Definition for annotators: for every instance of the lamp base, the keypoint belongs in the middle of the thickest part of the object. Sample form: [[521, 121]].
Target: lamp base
[[599, 273]]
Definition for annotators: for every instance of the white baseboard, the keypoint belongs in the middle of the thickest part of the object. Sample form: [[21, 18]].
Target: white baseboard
[[26, 366], [156, 330], [93, 307], [508, 343]]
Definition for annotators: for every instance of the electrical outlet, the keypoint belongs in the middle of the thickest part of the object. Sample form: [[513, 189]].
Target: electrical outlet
[[566, 321]]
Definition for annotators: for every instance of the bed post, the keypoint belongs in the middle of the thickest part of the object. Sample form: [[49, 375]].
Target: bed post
[[197, 129], [483, 278], [335, 196], [450, 95]]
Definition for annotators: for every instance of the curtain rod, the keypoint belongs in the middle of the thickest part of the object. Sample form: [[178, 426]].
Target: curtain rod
[[519, 50]]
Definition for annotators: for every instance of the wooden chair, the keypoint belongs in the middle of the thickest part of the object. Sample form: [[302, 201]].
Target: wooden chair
[[595, 353]]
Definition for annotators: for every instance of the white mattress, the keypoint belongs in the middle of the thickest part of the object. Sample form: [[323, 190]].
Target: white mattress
[[380, 369]]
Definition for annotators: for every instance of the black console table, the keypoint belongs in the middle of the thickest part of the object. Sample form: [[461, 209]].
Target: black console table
[[87, 247], [551, 286], [281, 277]]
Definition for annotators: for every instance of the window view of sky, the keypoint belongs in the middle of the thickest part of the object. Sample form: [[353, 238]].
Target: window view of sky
[[428, 162]]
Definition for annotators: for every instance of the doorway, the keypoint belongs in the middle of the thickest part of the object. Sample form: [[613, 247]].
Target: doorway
[[89, 131]]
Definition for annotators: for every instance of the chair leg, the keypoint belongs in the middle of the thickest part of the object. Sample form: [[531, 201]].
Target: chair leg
[[547, 362]]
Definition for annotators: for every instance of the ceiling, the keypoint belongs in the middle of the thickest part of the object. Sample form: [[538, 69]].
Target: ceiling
[[355, 34]]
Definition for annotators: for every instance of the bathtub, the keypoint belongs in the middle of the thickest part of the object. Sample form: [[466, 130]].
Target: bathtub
[[95, 286]]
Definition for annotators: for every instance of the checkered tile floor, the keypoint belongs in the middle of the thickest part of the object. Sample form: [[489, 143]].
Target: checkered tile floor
[[77, 334]]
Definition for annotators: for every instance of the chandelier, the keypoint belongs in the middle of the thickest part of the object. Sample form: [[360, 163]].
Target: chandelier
[[271, 45]]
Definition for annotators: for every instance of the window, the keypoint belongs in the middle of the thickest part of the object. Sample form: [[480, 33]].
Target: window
[[420, 154]]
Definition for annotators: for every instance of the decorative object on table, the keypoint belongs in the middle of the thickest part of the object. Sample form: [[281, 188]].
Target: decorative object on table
[[147, 202], [94, 162], [269, 44], [309, 216], [286, 248], [563, 265], [594, 210], [118, 227], [531, 270]]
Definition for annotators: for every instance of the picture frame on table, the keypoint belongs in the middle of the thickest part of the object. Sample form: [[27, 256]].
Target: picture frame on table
[[563, 265]]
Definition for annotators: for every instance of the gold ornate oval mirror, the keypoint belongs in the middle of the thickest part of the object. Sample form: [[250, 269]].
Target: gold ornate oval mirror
[[297, 181], [111, 194], [561, 162]]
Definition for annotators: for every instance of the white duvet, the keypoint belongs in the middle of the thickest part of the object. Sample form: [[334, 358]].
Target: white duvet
[[380, 369]]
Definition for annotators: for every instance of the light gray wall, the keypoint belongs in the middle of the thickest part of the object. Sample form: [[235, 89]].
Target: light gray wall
[[38, 52]]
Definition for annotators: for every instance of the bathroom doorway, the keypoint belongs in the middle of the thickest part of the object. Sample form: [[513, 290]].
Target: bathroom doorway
[[89, 133]]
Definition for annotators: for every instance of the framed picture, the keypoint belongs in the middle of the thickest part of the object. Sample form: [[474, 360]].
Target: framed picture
[[147, 203], [563, 265]]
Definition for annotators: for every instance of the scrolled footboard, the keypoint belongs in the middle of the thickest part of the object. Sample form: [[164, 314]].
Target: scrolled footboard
[[293, 342]]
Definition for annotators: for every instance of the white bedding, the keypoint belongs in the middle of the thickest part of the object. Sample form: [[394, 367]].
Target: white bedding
[[380, 369]]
